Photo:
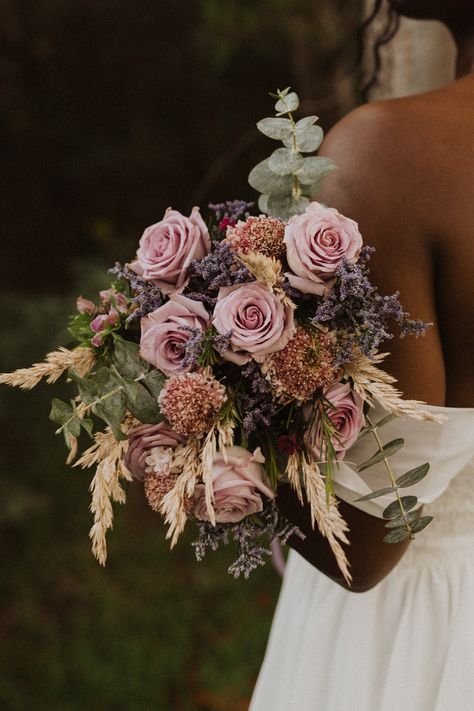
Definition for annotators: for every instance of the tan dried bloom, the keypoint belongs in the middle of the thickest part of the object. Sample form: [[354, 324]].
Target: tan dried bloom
[[305, 364], [55, 364], [258, 234], [191, 401]]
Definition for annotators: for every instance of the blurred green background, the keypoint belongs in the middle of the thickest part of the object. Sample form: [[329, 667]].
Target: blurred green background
[[110, 112]]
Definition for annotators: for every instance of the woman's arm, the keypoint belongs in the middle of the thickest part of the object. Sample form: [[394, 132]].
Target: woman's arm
[[376, 184]]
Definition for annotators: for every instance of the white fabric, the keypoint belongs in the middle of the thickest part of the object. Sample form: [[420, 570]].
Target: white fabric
[[406, 644]]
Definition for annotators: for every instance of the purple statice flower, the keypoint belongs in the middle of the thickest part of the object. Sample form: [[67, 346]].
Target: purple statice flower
[[247, 533], [146, 296], [219, 268], [229, 212], [355, 309], [221, 341], [258, 404]]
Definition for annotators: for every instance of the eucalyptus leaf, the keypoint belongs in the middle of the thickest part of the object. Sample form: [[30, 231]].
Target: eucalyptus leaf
[[88, 425], [315, 169], [305, 123], [385, 420], [307, 140], [127, 359], [388, 450], [286, 207], [276, 128], [397, 535], [290, 102], [376, 494], [421, 523], [88, 387], [263, 203], [141, 403], [393, 509], [413, 476], [263, 179], [283, 161], [411, 516]]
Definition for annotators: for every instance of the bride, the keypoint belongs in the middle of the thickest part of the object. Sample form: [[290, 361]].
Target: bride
[[402, 637]]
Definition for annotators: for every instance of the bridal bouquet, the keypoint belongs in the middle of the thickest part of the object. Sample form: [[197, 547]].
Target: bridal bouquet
[[235, 352]]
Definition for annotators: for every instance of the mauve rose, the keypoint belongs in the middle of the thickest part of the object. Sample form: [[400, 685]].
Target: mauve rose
[[237, 485], [164, 337], [316, 243], [347, 418], [168, 247], [259, 322], [142, 440]]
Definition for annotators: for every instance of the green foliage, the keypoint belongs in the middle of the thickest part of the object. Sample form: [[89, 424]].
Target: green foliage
[[287, 179], [67, 416], [388, 450]]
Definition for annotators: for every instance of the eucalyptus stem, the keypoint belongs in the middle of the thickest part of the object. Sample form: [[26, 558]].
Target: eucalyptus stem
[[392, 479], [296, 192]]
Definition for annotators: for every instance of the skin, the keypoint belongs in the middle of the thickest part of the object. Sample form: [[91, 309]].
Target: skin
[[406, 175]]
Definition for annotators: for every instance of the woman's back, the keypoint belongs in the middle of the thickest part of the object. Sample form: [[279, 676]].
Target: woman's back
[[406, 174]]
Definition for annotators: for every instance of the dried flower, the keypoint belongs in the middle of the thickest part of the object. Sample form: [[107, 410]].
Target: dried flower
[[191, 401], [55, 364], [304, 365], [258, 234]]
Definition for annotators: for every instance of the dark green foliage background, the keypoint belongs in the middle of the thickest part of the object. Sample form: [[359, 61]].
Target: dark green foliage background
[[110, 112]]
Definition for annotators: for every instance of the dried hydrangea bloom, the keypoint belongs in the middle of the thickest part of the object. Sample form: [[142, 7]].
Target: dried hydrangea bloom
[[191, 401], [303, 366], [258, 234]]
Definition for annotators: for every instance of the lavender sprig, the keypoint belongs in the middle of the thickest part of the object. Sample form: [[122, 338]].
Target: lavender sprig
[[231, 211], [258, 406], [219, 268], [147, 296], [356, 309], [250, 554]]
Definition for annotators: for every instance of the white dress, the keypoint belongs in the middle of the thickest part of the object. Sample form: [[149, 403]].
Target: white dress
[[407, 644]]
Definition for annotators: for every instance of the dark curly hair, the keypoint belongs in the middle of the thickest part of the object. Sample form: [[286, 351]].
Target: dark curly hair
[[388, 32]]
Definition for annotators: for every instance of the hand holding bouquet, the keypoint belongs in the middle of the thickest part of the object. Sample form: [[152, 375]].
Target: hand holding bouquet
[[232, 354]]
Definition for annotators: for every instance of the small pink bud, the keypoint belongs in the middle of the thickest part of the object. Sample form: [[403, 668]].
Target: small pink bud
[[98, 324], [84, 306]]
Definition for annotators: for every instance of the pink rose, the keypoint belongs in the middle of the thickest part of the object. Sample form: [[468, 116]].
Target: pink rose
[[347, 418], [168, 247], [142, 440], [237, 482], [316, 243], [259, 322], [112, 297], [164, 333]]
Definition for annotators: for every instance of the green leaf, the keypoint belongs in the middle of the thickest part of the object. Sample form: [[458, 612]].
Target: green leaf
[[263, 179], [127, 360], [413, 476], [286, 207], [307, 139], [112, 410], [79, 327], [411, 516], [276, 128], [88, 425], [154, 381], [315, 169], [305, 123], [388, 450], [385, 420], [283, 161], [263, 203], [60, 411], [421, 523], [141, 404], [88, 387], [397, 535], [376, 494], [289, 103], [393, 509]]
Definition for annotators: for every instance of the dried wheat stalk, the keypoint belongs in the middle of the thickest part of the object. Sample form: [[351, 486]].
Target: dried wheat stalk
[[187, 461], [372, 383], [54, 365]]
